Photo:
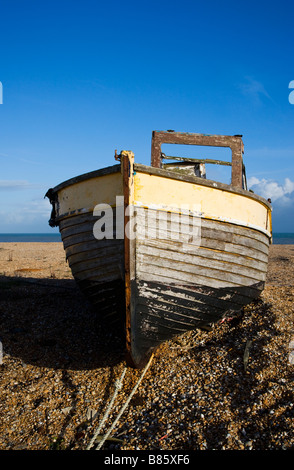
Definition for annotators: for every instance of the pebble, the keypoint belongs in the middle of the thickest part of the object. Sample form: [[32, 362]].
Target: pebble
[[196, 394]]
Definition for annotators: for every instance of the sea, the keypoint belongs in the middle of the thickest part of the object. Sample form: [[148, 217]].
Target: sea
[[283, 238], [30, 237], [278, 238]]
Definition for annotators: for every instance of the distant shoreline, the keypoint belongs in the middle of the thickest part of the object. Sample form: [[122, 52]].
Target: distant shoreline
[[30, 237], [278, 238]]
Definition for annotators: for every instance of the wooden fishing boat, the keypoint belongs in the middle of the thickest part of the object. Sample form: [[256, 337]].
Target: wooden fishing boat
[[160, 251]]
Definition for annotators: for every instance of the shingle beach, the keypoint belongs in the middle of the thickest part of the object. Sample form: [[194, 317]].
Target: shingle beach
[[230, 388]]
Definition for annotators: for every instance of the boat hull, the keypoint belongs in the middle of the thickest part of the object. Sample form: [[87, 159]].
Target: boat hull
[[148, 278], [180, 286], [97, 266]]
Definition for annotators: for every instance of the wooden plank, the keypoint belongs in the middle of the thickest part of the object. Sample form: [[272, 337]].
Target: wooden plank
[[109, 264], [144, 252], [76, 219], [90, 246], [79, 238], [160, 327], [83, 239], [87, 227], [197, 296], [179, 268], [213, 244], [183, 279], [203, 253], [160, 226], [218, 225], [192, 161], [237, 229], [180, 312], [225, 247], [97, 276], [168, 313], [108, 252]]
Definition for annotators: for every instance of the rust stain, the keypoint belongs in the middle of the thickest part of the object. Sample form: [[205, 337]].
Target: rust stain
[[126, 171]]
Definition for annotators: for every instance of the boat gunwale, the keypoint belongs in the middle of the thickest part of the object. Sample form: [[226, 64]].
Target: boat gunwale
[[86, 176]]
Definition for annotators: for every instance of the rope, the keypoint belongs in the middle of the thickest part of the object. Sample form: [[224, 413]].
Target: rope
[[106, 436], [118, 386]]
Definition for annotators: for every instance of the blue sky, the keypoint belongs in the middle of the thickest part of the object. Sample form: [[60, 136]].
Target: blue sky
[[83, 78]]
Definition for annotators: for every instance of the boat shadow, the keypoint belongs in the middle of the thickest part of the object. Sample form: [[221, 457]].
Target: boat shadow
[[49, 323]]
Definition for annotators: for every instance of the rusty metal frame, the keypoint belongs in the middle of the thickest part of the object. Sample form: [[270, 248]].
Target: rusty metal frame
[[126, 170], [127, 164], [233, 142]]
